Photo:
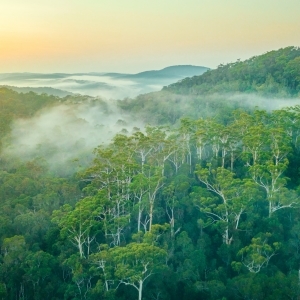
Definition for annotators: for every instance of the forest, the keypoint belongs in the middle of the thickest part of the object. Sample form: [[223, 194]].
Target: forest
[[201, 201]]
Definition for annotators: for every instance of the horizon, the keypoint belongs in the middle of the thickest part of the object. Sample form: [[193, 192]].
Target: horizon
[[105, 72], [142, 70]]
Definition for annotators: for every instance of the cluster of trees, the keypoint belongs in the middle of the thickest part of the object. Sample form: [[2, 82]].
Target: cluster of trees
[[273, 73], [207, 210], [14, 105]]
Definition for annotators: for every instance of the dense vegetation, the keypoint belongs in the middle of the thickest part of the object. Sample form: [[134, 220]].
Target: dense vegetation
[[15, 105], [207, 208], [274, 73]]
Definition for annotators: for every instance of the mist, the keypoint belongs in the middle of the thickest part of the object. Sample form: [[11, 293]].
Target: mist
[[90, 85], [265, 103], [104, 85], [65, 135]]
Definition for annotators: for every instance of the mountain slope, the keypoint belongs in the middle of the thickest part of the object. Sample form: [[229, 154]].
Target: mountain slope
[[40, 90], [258, 81], [273, 73], [176, 72]]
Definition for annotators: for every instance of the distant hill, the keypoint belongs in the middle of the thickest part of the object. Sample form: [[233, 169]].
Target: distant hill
[[108, 85], [40, 90], [273, 73], [175, 72]]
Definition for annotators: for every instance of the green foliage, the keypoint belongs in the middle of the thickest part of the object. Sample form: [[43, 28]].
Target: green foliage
[[273, 73], [14, 105], [206, 209]]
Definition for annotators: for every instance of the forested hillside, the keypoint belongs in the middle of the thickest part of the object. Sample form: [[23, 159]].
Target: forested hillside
[[14, 105], [258, 81], [275, 73], [201, 204]]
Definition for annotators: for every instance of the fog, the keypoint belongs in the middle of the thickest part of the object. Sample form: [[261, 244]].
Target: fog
[[66, 135], [263, 103], [105, 85]]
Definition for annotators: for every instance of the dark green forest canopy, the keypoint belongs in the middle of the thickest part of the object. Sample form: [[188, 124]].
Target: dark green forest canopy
[[204, 207], [192, 212], [274, 73]]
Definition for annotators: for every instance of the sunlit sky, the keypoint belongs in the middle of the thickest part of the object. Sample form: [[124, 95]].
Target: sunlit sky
[[137, 35]]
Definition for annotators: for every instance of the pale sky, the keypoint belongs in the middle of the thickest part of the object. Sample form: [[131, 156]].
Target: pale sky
[[137, 35]]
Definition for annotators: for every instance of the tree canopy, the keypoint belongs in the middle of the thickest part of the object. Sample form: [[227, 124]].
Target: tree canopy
[[201, 204]]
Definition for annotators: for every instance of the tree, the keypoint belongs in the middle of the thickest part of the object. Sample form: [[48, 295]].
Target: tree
[[234, 198], [76, 224], [258, 253], [38, 266], [139, 187], [268, 177], [136, 262]]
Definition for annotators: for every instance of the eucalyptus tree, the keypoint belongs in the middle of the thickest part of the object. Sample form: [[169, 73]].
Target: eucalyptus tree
[[76, 224], [135, 263], [234, 143], [155, 182], [224, 137], [139, 188], [289, 120], [102, 261], [112, 173], [269, 177], [214, 132], [248, 135], [234, 198], [255, 143], [258, 254], [280, 144], [200, 137], [164, 147], [177, 156], [267, 141], [142, 146], [174, 194], [172, 202], [186, 131], [81, 285]]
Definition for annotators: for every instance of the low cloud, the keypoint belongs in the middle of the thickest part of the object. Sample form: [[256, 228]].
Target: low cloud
[[66, 135]]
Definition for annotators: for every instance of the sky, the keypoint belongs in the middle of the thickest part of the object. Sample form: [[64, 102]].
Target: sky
[[131, 36]]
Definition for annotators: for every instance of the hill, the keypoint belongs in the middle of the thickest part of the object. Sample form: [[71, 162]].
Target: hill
[[176, 72], [40, 90], [15, 105], [107, 85], [275, 73]]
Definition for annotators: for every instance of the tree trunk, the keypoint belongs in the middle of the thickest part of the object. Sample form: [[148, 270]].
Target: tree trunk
[[140, 289], [139, 219], [150, 215]]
